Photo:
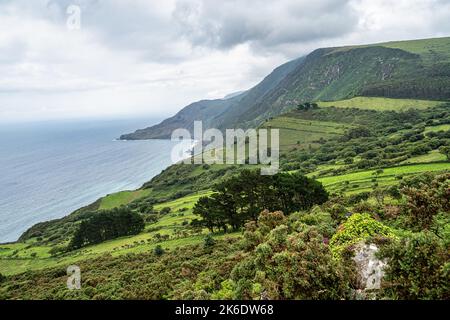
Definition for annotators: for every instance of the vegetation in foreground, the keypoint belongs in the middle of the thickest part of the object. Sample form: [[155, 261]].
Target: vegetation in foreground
[[305, 255], [386, 185]]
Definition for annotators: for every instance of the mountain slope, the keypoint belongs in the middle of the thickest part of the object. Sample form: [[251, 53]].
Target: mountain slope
[[213, 112], [418, 69]]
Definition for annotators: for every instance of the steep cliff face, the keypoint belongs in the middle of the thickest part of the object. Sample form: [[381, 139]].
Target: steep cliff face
[[417, 69]]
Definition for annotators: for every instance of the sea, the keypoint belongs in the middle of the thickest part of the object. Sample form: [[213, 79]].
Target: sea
[[50, 169]]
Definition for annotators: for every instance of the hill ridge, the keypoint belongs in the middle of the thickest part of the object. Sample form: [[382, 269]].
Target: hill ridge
[[414, 69]]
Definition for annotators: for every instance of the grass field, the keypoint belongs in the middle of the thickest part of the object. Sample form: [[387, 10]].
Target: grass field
[[20, 257], [374, 103], [295, 132], [362, 181], [433, 156], [122, 198], [426, 48], [442, 127]]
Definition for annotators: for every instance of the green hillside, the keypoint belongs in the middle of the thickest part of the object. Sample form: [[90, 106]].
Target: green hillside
[[379, 168], [417, 70], [295, 132], [380, 104]]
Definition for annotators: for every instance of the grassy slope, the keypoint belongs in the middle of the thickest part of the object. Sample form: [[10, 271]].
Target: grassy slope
[[362, 180], [428, 49], [432, 156], [443, 127], [375, 103], [170, 224], [295, 132], [121, 198]]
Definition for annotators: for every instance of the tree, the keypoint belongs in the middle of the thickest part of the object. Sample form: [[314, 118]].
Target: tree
[[159, 251], [165, 210], [105, 225], [445, 150], [244, 197], [358, 132]]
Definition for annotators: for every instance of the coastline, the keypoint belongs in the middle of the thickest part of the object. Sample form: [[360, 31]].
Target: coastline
[[187, 154]]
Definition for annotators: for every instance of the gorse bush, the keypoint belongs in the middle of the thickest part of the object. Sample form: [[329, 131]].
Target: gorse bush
[[417, 268], [359, 227], [426, 197], [209, 241], [159, 251], [288, 265]]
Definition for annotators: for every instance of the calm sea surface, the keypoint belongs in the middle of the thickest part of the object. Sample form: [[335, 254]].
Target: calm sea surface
[[48, 170]]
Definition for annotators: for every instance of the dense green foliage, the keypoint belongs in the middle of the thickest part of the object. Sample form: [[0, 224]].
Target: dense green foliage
[[243, 197], [107, 225], [278, 257], [371, 143], [418, 268], [287, 261], [359, 227]]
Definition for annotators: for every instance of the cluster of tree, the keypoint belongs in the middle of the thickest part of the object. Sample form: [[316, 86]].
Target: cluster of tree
[[106, 225], [307, 106], [244, 197], [379, 139]]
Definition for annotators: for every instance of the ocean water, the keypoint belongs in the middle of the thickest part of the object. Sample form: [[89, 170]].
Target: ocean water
[[48, 170]]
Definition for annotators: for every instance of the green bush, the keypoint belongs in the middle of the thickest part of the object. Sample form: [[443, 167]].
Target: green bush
[[418, 268], [165, 210], [209, 241], [291, 266], [288, 259], [319, 219], [159, 251], [359, 227]]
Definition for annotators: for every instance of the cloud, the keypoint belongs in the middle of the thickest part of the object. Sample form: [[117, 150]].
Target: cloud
[[154, 57], [261, 23]]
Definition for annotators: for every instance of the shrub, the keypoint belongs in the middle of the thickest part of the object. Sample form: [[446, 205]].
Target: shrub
[[359, 227], [209, 241], [417, 268], [338, 212], [165, 210], [358, 197], [159, 251], [295, 266], [321, 220]]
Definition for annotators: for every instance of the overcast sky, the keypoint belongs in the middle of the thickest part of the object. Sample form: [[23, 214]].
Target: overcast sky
[[152, 57]]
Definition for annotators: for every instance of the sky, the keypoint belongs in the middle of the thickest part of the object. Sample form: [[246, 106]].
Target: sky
[[70, 59]]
